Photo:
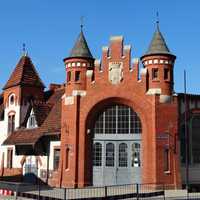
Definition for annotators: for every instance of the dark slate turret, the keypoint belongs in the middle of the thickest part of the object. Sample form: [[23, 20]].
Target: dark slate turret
[[81, 49], [78, 64], [158, 45], [159, 64]]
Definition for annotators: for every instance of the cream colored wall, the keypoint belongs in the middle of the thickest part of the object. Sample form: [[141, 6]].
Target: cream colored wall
[[44, 158], [4, 134]]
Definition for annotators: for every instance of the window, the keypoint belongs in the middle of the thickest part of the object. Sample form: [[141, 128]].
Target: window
[[77, 75], [32, 121], [110, 155], [10, 158], [56, 157], [97, 154], [68, 76], [166, 73], [12, 99], [11, 123], [123, 160], [117, 119], [154, 73], [166, 160], [135, 158], [195, 149], [123, 119], [67, 159], [110, 120]]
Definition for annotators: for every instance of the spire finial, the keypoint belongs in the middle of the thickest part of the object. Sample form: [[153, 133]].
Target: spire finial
[[82, 18], [24, 49], [157, 19]]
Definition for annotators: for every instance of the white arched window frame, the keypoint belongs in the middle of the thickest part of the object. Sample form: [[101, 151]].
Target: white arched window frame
[[11, 99]]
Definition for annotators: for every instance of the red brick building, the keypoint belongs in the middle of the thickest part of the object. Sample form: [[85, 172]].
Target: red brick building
[[113, 122]]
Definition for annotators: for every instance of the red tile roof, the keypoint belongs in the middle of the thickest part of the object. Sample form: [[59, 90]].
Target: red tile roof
[[24, 74]]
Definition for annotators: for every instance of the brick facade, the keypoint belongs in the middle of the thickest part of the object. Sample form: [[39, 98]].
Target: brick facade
[[84, 99]]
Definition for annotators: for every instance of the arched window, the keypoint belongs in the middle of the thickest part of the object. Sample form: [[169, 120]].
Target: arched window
[[135, 162], [97, 154], [123, 155], [110, 155], [117, 119], [11, 99]]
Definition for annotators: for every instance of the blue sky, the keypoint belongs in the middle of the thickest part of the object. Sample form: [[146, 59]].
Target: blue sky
[[50, 27]]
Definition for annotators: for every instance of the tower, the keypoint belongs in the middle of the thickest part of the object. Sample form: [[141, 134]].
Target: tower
[[79, 61], [23, 84], [159, 62], [79, 67]]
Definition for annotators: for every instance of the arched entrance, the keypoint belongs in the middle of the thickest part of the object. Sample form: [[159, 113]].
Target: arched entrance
[[116, 146]]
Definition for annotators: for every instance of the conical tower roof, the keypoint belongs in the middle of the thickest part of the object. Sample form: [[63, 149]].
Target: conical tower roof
[[80, 49], [158, 44], [24, 74]]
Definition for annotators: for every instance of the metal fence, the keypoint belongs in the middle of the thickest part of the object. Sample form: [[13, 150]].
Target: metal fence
[[41, 192]]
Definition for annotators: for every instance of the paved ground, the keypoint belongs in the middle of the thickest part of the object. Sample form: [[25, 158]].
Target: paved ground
[[13, 198], [152, 198], [94, 192]]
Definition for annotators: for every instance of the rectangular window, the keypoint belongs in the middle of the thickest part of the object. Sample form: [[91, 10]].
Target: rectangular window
[[166, 74], [10, 158], [56, 158], [68, 76], [11, 123], [77, 75], [154, 73], [67, 159], [166, 160]]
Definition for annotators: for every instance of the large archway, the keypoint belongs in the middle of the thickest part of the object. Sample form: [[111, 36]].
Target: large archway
[[116, 146]]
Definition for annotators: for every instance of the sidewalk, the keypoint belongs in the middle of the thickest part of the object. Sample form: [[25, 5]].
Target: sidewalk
[[13, 198]]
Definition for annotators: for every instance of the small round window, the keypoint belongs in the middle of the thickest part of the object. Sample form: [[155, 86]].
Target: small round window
[[12, 99]]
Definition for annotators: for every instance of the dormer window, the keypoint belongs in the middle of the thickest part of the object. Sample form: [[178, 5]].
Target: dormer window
[[32, 123]]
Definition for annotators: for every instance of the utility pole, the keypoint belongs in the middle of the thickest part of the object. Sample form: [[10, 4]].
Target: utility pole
[[186, 138]]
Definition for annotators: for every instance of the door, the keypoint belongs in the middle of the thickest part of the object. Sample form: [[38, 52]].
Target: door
[[115, 161], [30, 170], [109, 168], [123, 168]]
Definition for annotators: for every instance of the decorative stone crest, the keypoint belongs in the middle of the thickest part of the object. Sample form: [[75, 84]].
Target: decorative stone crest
[[115, 72]]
